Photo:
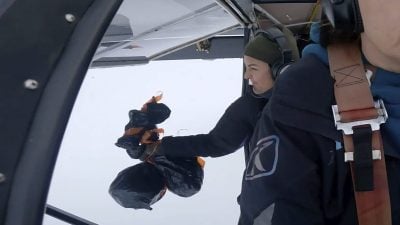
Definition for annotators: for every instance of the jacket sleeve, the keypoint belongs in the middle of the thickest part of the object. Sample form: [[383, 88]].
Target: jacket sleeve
[[229, 134]]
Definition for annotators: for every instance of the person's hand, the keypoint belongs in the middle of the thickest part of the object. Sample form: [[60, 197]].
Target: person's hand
[[144, 152], [131, 144], [141, 136], [150, 150]]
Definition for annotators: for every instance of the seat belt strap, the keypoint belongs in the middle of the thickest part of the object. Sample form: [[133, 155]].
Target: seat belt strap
[[359, 117]]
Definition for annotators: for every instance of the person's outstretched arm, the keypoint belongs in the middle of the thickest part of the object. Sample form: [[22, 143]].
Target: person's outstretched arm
[[229, 134]]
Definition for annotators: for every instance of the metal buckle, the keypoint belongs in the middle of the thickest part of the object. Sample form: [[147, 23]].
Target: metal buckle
[[347, 128]]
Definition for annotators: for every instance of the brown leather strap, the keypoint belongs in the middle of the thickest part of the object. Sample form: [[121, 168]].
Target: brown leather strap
[[373, 207], [355, 103]]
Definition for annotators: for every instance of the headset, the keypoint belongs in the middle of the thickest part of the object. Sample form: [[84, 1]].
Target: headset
[[344, 15], [276, 35]]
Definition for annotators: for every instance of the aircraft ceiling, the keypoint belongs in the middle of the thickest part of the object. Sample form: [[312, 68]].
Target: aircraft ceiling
[[157, 29]]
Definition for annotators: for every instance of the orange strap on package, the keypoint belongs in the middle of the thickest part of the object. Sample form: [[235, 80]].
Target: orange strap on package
[[147, 134], [359, 118], [153, 99]]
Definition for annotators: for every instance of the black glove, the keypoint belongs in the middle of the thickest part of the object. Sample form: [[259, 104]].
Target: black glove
[[131, 145], [149, 151], [136, 149]]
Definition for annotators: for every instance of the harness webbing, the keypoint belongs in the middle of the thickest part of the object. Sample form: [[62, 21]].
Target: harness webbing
[[362, 141]]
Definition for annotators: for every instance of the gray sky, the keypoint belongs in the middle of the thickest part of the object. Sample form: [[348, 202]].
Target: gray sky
[[197, 92]]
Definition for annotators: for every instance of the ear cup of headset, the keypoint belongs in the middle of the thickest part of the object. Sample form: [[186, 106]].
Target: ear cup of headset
[[275, 68], [278, 68], [344, 15]]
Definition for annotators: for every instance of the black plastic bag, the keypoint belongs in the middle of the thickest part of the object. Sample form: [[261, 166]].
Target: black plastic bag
[[183, 176], [142, 122], [138, 186], [152, 113]]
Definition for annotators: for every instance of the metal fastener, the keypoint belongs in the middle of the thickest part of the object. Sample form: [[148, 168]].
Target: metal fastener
[[2, 178], [70, 17], [31, 84]]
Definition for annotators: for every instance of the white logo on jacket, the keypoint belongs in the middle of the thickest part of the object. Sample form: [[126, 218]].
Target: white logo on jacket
[[263, 158]]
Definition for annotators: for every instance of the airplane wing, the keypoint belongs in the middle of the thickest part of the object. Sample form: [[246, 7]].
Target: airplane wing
[[193, 29]]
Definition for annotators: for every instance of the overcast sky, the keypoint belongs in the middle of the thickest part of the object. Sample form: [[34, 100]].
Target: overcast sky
[[197, 92]]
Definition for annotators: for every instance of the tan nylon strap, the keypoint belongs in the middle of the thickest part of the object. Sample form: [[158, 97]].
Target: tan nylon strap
[[355, 102], [351, 85]]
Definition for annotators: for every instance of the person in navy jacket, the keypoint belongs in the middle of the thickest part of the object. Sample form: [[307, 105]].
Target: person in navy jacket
[[296, 172], [237, 124]]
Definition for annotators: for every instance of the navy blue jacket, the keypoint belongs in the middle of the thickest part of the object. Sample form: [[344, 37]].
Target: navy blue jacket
[[295, 171]]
